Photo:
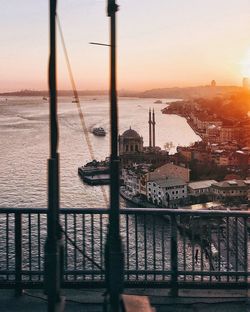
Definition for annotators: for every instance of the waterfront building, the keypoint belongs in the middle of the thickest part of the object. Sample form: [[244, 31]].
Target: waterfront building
[[132, 150], [200, 190], [130, 142], [231, 190], [168, 192], [170, 170]]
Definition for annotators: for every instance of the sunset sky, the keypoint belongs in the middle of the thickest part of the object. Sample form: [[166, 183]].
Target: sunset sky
[[161, 43]]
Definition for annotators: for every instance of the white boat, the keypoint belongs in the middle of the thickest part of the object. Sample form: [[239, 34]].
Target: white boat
[[99, 131]]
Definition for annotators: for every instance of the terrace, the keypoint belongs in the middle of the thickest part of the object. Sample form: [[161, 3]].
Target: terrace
[[176, 257]]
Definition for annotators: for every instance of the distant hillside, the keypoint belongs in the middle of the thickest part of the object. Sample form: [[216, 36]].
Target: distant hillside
[[60, 93], [189, 92], [167, 93]]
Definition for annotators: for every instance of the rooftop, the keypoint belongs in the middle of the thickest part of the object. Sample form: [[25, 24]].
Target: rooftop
[[168, 182], [201, 184], [233, 183], [130, 133]]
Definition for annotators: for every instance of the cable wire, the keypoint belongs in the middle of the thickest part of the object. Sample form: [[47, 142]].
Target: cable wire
[[77, 248], [77, 101]]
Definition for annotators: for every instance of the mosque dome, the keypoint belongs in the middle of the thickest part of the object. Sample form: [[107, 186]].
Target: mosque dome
[[130, 133]]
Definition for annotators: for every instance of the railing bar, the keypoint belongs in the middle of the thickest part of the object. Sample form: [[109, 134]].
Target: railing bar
[[39, 243], [7, 243], [66, 243], [245, 248], [145, 244], [75, 241], [83, 243], [201, 248], [210, 250], [163, 248], [192, 244], [30, 243], [219, 248], [101, 242], [185, 246], [236, 246], [227, 242], [136, 245], [92, 244], [127, 242], [156, 211], [154, 246]]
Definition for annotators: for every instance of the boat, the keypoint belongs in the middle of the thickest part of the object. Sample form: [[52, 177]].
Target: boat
[[99, 131], [95, 172], [44, 98], [158, 102]]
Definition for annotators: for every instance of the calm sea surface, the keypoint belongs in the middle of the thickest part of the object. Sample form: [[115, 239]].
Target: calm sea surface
[[24, 139]]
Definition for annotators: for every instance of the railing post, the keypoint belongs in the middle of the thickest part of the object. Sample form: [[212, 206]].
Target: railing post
[[174, 259], [18, 254]]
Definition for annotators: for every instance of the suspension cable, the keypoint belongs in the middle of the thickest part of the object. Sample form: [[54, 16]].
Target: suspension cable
[[77, 100]]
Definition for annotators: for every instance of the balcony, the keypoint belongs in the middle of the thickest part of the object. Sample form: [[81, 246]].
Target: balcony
[[167, 252]]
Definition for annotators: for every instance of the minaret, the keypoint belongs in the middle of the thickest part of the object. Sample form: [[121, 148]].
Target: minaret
[[153, 124], [149, 123]]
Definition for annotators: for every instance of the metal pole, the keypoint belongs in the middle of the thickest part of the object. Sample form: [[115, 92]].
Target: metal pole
[[53, 248], [114, 257]]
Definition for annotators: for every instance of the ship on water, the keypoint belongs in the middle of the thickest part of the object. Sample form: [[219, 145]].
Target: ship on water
[[99, 131]]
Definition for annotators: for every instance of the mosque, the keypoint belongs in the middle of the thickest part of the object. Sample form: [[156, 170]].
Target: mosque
[[131, 149]]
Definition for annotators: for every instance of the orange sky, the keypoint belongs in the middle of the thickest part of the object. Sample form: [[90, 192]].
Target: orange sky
[[160, 43]]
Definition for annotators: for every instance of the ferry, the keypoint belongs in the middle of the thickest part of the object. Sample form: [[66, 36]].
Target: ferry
[[99, 131]]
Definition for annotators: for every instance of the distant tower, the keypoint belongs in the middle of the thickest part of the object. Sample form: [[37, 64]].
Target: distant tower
[[213, 83], [150, 123], [245, 83], [153, 124]]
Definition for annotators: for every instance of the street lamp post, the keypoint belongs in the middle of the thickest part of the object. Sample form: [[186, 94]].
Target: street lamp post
[[114, 257], [53, 249]]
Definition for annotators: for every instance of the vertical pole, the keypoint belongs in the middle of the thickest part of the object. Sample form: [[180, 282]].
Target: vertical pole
[[174, 259], [114, 257], [52, 248], [18, 254], [153, 123], [149, 125]]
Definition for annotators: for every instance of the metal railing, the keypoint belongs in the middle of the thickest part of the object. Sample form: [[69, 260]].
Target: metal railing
[[166, 248]]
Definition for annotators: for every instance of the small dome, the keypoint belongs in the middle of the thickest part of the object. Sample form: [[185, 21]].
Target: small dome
[[130, 133]]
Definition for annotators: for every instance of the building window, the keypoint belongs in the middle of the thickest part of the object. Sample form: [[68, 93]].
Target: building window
[[126, 148]]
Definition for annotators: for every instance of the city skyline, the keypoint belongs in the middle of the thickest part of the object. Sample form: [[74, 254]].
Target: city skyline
[[174, 45]]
